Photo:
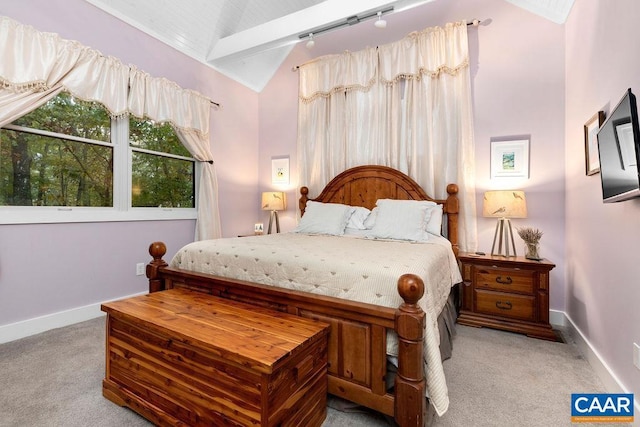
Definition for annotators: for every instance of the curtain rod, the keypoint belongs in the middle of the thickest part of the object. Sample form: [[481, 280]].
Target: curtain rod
[[215, 105], [475, 23]]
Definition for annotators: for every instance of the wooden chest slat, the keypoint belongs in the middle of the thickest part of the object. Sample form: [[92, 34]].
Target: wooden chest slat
[[179, 357]]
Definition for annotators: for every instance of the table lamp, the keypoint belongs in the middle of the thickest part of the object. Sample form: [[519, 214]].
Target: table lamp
[[273, 201], [504, 204]]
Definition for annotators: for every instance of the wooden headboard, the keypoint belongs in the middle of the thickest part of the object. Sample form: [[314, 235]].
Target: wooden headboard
[[364, 185]]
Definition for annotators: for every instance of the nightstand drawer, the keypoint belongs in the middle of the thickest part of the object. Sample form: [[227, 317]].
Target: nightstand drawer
[[504, 279], [503, 304]]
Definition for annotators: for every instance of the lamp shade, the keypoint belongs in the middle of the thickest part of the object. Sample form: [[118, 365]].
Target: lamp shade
[[273, 201], [504, 204]]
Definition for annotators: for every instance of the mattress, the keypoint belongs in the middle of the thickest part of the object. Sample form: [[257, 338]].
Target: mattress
[[357, 269]]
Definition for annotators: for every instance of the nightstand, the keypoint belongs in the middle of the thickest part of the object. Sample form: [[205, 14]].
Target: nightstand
[[509, 293]]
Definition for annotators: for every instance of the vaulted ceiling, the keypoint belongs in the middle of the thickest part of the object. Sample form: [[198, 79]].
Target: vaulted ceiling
[[247, 40]]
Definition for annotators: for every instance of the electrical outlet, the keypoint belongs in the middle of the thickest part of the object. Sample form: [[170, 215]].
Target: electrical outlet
[[636, 355], [140, 269]]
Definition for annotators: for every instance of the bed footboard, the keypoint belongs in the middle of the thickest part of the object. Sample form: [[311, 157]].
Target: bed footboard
[[357, 341]]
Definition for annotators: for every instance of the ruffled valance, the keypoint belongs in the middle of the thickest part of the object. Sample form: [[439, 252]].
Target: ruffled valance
[[429, 52], [164, 101], [342, 72], [34, 61], [447, 49]]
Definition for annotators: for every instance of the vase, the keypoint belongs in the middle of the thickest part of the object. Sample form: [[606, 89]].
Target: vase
[[532, 251]]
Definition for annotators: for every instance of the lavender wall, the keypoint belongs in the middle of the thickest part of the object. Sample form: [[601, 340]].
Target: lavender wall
[[517, 66], [602, 289], [50, 268]]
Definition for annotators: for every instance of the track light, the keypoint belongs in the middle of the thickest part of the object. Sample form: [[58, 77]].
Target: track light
[[380, 23], [311, 43], [351, 20]]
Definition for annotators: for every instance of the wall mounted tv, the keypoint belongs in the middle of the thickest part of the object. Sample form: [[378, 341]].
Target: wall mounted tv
[[619, 151]]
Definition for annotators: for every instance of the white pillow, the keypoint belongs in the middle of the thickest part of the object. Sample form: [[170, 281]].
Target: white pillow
[[402, 220], [324, 218], [371, 219], [358, 218], [434, 225]]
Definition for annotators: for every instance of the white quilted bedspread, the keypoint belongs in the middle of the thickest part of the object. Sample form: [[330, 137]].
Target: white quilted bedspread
[[350, 268]]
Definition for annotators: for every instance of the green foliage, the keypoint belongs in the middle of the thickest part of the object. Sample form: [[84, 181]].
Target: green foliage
[[52, 170], [159, 181], [39, 170]]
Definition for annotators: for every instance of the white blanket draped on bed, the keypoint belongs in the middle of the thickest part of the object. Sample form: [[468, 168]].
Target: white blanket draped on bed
[[356, 269]]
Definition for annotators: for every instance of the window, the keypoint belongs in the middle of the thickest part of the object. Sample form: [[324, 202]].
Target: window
[[162, 171], [69, 161]]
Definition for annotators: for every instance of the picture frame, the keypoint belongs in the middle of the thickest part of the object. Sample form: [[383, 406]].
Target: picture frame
[[591, 127], [280, 170], [510, 158]]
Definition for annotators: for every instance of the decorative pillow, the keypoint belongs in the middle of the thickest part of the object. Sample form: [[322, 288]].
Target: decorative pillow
[[324, 218], [358, 218], [371, 219], [434, 225], [402, 220]]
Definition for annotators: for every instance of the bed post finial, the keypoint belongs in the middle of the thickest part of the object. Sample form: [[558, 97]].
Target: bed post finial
[[410, 385], [157, 250], [302, 203], [452, 207]]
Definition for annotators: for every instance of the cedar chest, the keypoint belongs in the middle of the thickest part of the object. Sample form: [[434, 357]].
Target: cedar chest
[[180, 357]]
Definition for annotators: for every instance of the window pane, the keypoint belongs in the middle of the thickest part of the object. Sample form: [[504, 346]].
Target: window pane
[[37, 170], [159, 181], [154, 136], [70, 116]]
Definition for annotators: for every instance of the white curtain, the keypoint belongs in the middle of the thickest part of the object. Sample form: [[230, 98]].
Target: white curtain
[[164, 101], [36, 66], [406, 105]]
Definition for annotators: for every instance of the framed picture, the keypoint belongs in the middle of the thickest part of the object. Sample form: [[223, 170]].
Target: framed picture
[[592, 162], [510, 159], [280, 170]]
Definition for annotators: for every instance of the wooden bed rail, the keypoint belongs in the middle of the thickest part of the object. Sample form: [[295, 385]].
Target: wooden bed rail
[[407, 404]]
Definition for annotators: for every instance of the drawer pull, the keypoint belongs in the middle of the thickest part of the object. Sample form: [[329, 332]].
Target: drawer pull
[[504, 305], [506, 281]]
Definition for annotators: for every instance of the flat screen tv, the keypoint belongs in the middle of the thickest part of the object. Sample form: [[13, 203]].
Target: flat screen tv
[[619, 150]]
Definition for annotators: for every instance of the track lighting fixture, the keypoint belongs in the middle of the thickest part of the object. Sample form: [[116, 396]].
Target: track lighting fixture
[[351, 20], [311, 43], [380, 23]]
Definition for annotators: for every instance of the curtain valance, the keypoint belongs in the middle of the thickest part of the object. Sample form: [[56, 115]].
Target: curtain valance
[[425, 54], [34, 61], [342, 72], [447, 52], [163, 100]]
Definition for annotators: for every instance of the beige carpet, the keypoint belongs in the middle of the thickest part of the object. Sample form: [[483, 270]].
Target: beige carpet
[[495, 379]]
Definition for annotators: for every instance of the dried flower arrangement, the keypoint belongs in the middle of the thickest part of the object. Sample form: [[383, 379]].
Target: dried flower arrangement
[[529, 235]]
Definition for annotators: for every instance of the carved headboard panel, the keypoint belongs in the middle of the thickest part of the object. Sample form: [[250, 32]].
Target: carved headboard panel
[[364, 185]]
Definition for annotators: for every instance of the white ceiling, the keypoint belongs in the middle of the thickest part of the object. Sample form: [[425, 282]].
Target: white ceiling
[[247, 40]]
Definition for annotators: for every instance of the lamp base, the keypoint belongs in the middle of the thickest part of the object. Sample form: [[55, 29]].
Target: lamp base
[[503, 229], [274, 214]]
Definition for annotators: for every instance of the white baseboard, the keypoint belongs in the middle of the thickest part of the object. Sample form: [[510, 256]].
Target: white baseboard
[[25, 328], [609, 379]]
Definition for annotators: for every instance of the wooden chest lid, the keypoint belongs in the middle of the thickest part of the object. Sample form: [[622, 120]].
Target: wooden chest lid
[[254, 337]]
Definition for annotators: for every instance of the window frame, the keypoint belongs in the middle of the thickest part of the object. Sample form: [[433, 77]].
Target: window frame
[[122, 183]]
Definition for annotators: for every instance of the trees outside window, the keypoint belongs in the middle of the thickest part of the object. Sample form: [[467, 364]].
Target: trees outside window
[[69, 153]]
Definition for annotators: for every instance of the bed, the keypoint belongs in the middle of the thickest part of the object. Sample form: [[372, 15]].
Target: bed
[[395, 322]]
